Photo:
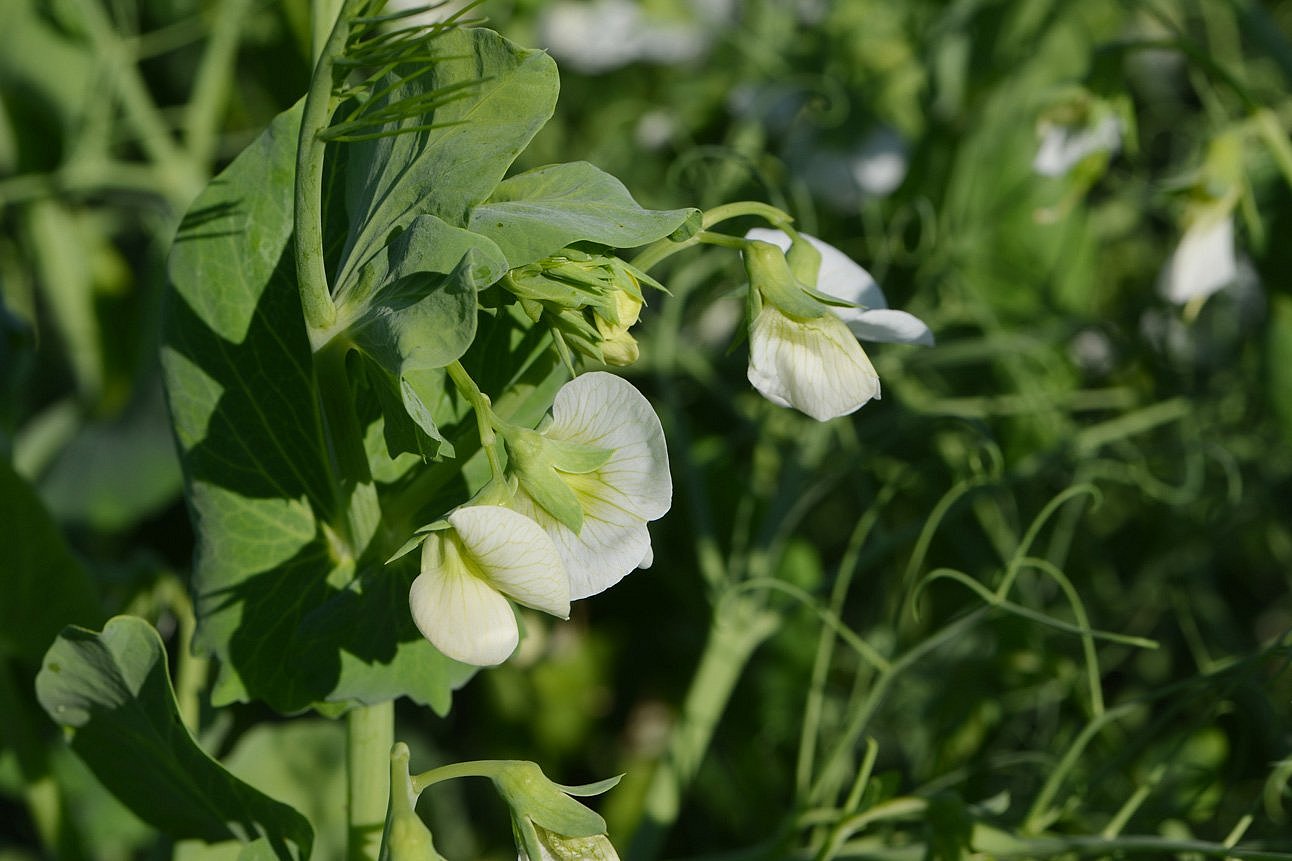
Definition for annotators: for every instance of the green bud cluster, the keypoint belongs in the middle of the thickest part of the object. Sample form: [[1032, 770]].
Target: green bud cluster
[[588, 300]]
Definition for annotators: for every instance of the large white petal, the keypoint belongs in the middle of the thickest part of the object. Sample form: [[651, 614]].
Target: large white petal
[[606, 411], [463, 616], [513, 554], [815, 366], [889, 326], [839, 276], [1203, 262], [612, 543]]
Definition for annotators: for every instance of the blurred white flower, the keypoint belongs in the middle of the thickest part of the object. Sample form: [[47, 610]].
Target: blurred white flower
[[1203, 262], [813, 363], [655, 130], [487, 555], [1064, 146], [435, 14], [599, 35], [632, 487], [875, 167]]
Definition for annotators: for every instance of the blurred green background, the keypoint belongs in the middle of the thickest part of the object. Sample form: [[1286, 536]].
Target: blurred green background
[[1122, 461]]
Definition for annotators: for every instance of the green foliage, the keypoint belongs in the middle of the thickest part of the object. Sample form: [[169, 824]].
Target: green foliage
[[113, 691], [1032, 603]]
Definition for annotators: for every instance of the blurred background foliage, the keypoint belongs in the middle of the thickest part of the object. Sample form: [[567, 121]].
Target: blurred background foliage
[[1091, 455]]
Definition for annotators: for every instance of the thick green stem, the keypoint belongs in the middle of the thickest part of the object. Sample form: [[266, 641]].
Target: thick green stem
[[740, 626], [369, 736], [311, 275]]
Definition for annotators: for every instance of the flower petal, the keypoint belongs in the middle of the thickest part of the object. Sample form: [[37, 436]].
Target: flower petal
[[1202, 263], [889, 326], [839, 275], [463, 616], [815, 366], [513, 554], [606, 411], [612, 543]]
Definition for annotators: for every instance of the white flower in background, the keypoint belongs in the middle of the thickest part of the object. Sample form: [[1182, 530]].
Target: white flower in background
[[874, 167], [631, 486], [1203, 262], [489, 554], [428, 16], [1065, 145], [812, 362], [594, 36]]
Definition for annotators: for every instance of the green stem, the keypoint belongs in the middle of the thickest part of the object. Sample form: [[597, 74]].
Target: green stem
[[323, 14], [214, 76], [739, 626], [478, 768], [141, 111], [316, 297], [665, 248], [369, 737], [190, 669], [485, 418]]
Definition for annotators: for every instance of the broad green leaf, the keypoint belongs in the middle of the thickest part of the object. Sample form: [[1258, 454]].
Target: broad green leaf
[[113, 691], [507, 94], [539, 212], [292, 621], [45, 587]]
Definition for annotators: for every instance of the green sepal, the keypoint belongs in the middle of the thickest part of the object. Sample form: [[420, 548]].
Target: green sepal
[[419, 536], [575, 457], [586, 790], [804, 260], [533, 797], [770, 275], [532, 462]]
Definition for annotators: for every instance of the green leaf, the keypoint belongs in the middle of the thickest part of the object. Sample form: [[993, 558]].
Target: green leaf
[[536, 213], [420, 318], [292, 622], [112, 689], [45, 586], [453, 165]]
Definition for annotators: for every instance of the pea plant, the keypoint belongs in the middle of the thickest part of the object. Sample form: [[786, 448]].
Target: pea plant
[[373, 347], [434, 389]]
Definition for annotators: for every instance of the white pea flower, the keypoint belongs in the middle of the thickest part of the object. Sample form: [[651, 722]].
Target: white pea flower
[[1203, 262], [1064, 146], [489, 554], [593, 478], [600, 35], [803, 353]]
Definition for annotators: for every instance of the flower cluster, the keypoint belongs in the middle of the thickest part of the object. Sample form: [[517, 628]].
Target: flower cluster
[[570, 522], [588, 301]]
